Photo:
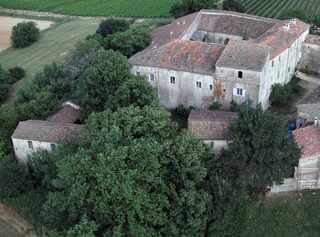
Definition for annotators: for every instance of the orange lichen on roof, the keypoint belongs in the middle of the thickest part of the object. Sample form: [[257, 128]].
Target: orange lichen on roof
[[269, 40]]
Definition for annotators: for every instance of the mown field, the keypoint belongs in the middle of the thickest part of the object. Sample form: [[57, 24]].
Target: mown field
[[52, 45], [274, 8], [129, 8], [7, 230]]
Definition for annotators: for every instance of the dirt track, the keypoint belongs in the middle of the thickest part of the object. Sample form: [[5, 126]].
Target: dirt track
[[15, 220], [6, 23]]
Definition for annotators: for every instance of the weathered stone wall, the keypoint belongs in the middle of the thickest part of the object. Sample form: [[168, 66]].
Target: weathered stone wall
[[210, 129], [310, 57], [312, 110], [21, 148], [184, 91], [220, 38], [227, 83]]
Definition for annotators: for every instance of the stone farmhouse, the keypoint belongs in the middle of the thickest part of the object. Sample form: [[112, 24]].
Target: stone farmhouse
[[32, 135], [212, 127], [220, 56], [311, 53]]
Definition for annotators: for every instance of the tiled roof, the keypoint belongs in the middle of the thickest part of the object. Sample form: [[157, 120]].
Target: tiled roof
[[44, 131], [242, 54], [234, 25], [279, 38], [175, 30], [313, 39], [66, 114], [308, 139], [208, 115], [184, 55]]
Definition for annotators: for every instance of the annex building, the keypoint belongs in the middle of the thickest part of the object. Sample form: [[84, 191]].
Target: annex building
[[220, 56]]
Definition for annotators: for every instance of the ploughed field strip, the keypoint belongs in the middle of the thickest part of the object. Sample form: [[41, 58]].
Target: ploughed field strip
[[274, 8]]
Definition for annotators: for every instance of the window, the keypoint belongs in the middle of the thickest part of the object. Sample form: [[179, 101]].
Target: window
[[30, 145], [279, 58], [53, 147], [151, 77], [272, 63], [239, 92], [211, 87], [239, 74], [172, 80], [138, 73], [288, 69], [278, 75], [198, 84]]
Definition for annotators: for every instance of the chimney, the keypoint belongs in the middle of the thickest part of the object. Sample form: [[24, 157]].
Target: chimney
[[293, 21], [316, 122], [286, 26]]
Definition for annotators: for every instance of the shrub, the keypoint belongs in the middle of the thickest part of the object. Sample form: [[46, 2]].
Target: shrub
[[283, 94], [185, 7], [14, 179], [23, 34], [233, 5], [234, 107], [183, 110], [5, 83], [215, 106], [111, 26], [295, 13], [16, 73], [310, 72]]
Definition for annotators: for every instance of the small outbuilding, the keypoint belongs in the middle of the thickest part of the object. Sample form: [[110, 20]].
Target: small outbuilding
[[33, 135], [212, 126]]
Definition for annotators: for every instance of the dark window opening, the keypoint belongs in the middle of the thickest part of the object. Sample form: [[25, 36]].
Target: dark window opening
[[240, 74]]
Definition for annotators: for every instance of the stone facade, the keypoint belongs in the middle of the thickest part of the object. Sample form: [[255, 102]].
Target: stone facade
[[206, 48], [311, 53]]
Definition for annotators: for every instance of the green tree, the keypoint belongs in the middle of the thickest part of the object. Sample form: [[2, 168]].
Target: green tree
[[134, 174], [14, 179], [294, 13], [131, 41], [5, 83], [137, 91], [261, 150], [111, 26], [85, 228], [23, 34], [98, 84], [44, 105], [184, 7], [80, 58], [233, 5], [16, 73], [8, 121]]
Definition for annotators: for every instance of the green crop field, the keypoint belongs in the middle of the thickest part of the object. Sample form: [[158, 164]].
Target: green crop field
[[52, 45], [274, 8], [129, 8]]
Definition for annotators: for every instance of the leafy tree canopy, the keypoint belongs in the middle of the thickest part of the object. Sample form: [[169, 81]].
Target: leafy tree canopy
[[8, 121], [23, 34], [184, 7], [111, 26], [261, 150]]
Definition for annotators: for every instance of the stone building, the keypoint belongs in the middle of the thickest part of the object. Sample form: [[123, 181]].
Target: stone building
[[311, 53], [220, 56], [33, 135], [308, 108], [212, 126], [306, 174]]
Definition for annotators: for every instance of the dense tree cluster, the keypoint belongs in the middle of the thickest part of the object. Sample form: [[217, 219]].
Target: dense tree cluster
[[233, 5], [185, 7], [24, 34], [294, 13]]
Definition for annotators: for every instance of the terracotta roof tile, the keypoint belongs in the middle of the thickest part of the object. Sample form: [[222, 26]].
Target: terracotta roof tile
[[207, 115], [44, 131], [66, 114], [308, 139], [313, 39]]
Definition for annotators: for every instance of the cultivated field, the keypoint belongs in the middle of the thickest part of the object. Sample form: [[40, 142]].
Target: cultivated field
[[6, 24], [131, 8], [274, 8], [52, 45]]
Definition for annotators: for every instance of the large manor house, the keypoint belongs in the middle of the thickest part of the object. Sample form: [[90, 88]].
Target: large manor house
[[212, 55]]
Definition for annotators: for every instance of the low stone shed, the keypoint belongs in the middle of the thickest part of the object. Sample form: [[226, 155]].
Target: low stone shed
[[212, 126]]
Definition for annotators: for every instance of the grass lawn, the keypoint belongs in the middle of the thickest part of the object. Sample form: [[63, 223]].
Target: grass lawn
[[291, 216], [129, 8], [7, 230], [52, 45]]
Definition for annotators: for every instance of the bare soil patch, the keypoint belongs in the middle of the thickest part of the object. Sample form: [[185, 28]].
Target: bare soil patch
[[16, 221], [6, 24]]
